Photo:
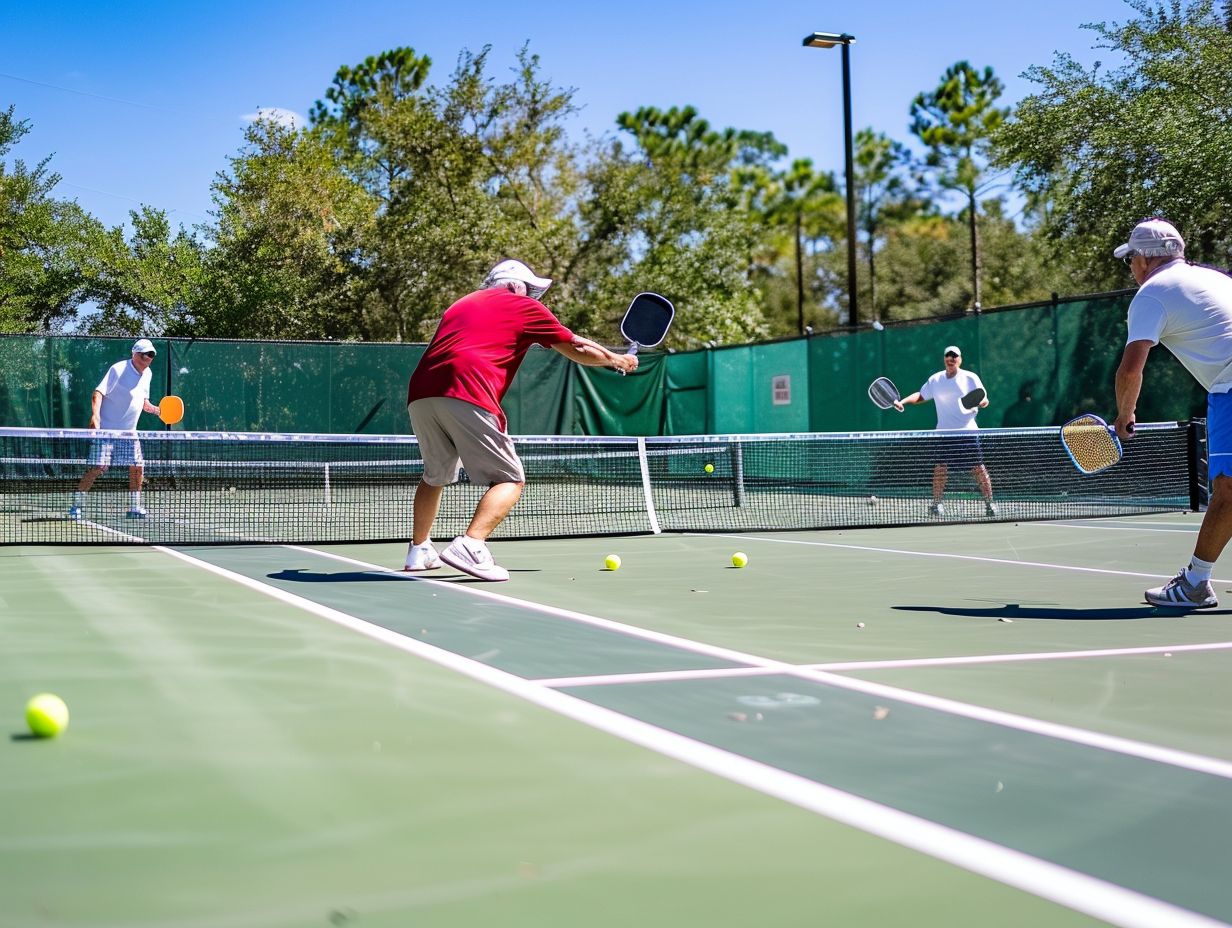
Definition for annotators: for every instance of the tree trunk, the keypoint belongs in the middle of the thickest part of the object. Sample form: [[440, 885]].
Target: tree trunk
[[872, 272], [799, 273], [975, 254]]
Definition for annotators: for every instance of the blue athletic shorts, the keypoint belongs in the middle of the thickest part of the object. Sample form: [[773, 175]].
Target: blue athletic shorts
[[959, 450], [1219, 433]]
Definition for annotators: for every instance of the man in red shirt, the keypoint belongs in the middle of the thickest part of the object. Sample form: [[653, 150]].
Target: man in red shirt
[[454, 402]]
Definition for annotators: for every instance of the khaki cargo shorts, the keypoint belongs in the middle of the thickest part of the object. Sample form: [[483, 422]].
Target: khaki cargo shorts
[[453, 433]]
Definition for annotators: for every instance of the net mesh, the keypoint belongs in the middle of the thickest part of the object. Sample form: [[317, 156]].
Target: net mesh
[[1090, 444], [243, 487]]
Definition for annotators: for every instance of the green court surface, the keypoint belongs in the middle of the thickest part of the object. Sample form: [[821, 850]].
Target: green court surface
[[934, 726]]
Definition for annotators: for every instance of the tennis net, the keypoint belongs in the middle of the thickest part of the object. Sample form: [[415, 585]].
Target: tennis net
[[229, 488]]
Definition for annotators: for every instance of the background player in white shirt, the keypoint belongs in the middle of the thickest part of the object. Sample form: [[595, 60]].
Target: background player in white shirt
[[946, 388], [1187, 309], [115, 405]]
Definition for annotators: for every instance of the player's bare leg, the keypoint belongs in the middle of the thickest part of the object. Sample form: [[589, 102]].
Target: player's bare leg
[[492, 509], [427, 505]]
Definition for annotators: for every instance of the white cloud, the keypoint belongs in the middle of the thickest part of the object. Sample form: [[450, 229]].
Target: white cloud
[[288, 118]]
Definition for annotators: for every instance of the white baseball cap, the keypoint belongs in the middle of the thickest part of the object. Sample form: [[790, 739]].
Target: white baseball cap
[[516, 270], [953, 349], [1152, 238], [142, 346]]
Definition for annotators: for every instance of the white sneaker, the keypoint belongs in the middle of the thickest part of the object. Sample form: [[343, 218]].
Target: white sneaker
[[473, 557], [936, 510], [990, 509], [137, 512], [421, 557], [1180, 593], [74, 513]]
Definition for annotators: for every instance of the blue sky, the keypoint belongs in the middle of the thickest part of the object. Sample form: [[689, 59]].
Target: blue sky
[[143, 102]]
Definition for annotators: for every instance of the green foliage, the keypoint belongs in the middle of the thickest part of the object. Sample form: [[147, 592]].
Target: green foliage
[[1099, 149], [289, 232], [955, 122], [884, 195], [145, 285], [43, 242], [400, 194]]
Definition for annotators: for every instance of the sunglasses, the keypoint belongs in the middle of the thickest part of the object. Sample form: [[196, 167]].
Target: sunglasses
[[950, 354], [148, 354]]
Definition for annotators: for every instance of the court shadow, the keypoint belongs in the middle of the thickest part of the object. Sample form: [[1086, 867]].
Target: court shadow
[[1016, 611], [26, 736], [299, 575]]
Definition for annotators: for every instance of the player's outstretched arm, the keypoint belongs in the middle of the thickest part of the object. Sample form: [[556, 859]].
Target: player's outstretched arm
[[592, 354], [909, 401]]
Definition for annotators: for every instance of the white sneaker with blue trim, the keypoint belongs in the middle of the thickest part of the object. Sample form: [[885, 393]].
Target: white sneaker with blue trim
[[1179, 593]]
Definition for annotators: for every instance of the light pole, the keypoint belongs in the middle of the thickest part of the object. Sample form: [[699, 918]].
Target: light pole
[[829, 40]]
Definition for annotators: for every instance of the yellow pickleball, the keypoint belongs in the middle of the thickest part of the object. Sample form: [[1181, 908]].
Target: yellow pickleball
[[47, 715], [709, 468], [740, 559], [612, 562]]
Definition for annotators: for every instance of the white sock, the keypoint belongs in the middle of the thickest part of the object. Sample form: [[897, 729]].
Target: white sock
[[134, 499], [1199, 571], [79, 498]]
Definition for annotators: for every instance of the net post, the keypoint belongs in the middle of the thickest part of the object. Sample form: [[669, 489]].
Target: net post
[[737, 452], [1199, 486], [644, 463]]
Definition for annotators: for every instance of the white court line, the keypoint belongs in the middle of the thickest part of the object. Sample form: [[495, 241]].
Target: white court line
[[958, 557], [1151, 752], [1131, 522], [1113, 528], [1013, 658], [664, 675], [1050, 881]]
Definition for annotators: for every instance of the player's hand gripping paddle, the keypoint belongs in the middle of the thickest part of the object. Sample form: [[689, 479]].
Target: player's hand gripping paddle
[[646, 321], [1091, 443], [171, 409], [974, 398], [883, 393]]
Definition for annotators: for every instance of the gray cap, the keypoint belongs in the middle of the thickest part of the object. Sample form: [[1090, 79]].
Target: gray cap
[[1152, 238]]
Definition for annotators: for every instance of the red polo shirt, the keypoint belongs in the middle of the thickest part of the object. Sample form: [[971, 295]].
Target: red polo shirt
[[479, 346]]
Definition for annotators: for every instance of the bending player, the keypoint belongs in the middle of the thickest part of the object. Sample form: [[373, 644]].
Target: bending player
[[454, 402], [1187, 309]]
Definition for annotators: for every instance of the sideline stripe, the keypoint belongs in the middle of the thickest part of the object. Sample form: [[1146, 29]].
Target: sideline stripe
[[1113, 528], [1078, 891], [958, 557], [1010, 658], [652, 676], [1162, 755]]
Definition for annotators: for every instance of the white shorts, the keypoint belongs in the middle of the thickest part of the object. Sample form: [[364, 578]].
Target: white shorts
[[119, 451], [453, 433]]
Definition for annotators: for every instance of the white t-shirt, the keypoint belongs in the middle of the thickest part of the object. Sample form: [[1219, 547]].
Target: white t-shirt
[[946, 392], [1188, 310], [124, 394]]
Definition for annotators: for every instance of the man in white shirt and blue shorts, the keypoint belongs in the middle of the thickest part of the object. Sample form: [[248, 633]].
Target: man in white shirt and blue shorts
[[1187, 309], [946, 388], [115, 405]]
